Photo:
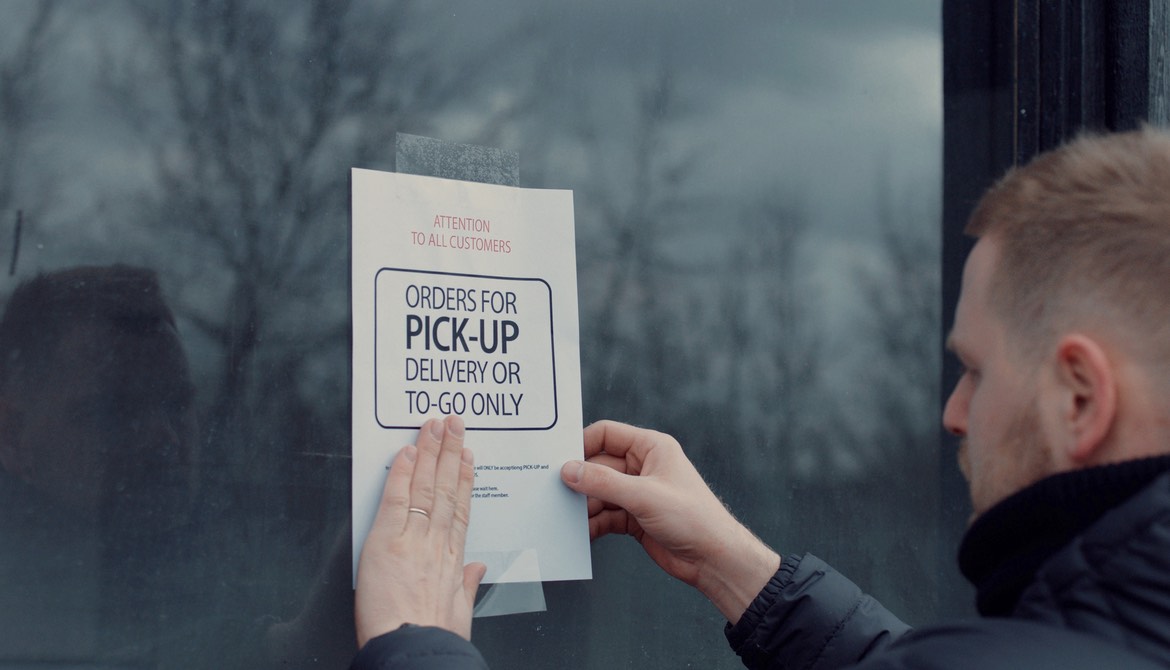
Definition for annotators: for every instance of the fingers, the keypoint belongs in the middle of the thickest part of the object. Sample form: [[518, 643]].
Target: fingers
[[596, 505], [604, 483], [610, 522], [614, 451], [436, 474], [599, 435], [422, 487], [472, 575], [448, 475], [623, 441], [613, 462], [392, 510]]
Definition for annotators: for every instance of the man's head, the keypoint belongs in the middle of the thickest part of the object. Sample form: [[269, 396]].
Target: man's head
[[95, 396], [1064, 318]]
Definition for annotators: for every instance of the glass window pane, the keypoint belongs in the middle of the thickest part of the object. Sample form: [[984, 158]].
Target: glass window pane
[[757, 194]]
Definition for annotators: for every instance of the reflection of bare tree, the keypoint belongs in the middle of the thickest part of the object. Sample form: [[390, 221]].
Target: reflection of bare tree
[[766, 394], [630, 323], [787, 344], [689, 325], [896, 518], [22, 95], [257, 110], [902, 296]]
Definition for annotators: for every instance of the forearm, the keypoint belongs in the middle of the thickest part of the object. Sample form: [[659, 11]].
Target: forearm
[[736, 573]]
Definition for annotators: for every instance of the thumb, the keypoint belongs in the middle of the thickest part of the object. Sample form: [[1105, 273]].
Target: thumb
[[601, 482], [472, 575]]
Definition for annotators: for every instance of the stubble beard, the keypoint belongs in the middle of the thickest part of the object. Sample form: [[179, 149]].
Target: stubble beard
[[1033, 460]]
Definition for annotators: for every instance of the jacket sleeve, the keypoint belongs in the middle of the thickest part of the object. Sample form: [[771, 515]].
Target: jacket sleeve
[[810, 616], [419, 648]]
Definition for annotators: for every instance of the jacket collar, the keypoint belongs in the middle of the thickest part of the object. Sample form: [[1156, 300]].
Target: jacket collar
[[1003, 549]]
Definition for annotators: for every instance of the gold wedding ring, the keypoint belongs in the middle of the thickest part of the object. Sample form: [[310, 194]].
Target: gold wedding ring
[[419, 510]]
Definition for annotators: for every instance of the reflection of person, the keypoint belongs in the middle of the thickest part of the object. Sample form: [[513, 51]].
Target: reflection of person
[[96, 393], [1064, 418], [96, 463]]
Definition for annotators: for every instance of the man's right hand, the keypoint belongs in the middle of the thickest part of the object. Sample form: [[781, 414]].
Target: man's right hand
[[640, 483]]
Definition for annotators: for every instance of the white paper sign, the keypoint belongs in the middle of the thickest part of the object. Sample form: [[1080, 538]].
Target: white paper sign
[[465, 302]]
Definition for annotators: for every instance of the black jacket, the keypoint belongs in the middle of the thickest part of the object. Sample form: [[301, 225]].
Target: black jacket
[[418, 648], [1073, 572]]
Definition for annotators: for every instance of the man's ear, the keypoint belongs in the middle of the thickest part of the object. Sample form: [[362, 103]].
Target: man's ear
[[11, 429], [1087, 406]]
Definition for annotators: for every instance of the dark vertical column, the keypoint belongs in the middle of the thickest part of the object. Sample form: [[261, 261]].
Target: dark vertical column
[[1126, 32], [1159, 63], [1082, 65], [979, 139]]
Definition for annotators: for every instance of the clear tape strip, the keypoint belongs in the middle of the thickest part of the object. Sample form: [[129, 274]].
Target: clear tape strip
[[516, 587]]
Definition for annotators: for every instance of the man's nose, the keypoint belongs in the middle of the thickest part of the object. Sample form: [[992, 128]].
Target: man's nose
[[954, 416]]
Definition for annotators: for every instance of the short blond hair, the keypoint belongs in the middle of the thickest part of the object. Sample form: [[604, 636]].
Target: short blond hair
[[1083, 238]]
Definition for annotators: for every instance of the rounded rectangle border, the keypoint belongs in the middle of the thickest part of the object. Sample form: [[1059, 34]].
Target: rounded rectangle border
[[392, 422]]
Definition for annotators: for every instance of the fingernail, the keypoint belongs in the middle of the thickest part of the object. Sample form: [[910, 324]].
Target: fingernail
[[571, 471], [455, 425], [409, 452], [437, 429]]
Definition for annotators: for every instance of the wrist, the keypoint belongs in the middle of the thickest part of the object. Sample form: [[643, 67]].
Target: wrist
[[738, 570]]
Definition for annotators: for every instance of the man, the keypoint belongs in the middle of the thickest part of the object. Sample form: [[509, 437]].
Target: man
[[1063, 415]]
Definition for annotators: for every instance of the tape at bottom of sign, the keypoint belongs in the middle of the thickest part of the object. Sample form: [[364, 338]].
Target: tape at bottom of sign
[[517, 588]]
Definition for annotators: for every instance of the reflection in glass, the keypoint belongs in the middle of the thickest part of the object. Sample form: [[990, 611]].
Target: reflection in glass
[[756, 192], [98, 452]]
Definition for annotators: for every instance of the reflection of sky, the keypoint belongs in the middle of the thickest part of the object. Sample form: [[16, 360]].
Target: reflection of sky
[[817, 96], [821, 104], [824, 103]]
